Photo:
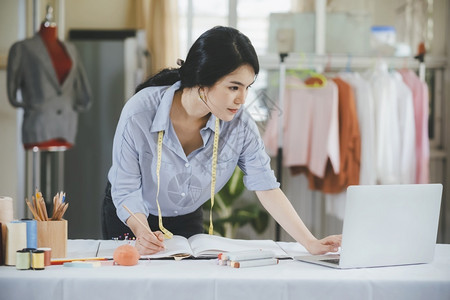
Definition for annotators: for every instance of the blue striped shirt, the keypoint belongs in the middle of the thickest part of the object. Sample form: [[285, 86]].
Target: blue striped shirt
[[185, 181]]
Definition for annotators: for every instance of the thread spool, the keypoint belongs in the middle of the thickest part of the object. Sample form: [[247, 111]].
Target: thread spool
[[31, 233], [16, 239], [6, 209], [37, 260], [47, 256], [6, 216], [23, 259]]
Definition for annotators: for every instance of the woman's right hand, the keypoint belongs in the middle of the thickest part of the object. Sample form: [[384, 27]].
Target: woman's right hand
[[147, 243]]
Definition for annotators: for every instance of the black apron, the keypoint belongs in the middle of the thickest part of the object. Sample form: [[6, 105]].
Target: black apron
[[113, 227]]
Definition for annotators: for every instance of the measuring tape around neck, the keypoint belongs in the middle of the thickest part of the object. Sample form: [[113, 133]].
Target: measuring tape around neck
[[213, 173], [166, 232]]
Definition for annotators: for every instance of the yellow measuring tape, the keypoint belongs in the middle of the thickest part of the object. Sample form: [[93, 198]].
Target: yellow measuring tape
[[166, 232], [213, 173]]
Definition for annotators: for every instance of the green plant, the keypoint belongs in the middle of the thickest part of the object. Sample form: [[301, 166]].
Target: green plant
[[229, 215]]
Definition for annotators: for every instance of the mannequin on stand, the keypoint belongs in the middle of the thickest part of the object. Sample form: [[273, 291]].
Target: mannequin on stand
[[62, 64], [46, 79], [53, 87]]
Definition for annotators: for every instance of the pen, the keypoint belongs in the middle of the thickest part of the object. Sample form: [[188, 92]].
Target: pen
[[254, 263], [62, 261], [248, 254]]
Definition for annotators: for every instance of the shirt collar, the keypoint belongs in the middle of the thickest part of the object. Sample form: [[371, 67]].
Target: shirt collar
[[162, 116], [211, 124]]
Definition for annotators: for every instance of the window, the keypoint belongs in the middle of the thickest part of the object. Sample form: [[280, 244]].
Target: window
[[197, 16]]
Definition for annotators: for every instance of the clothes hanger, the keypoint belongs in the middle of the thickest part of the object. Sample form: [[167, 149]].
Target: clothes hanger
[[308, 76], [348, 67]]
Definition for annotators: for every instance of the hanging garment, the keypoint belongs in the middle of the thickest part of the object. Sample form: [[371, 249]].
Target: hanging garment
[[407, 130], [420, 96], [387, 140], [50, 108], [366, 122], [349, 147], [311, 129]]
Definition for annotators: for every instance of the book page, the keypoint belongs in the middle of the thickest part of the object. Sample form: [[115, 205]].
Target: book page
[[205, 245], [177, 245]]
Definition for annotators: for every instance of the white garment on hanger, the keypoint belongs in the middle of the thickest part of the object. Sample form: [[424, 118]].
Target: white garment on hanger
[[407, 130], [366, 120], [387, 151]]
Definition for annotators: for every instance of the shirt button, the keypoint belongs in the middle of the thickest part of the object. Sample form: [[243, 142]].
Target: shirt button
[[186, 165], [183, 194]]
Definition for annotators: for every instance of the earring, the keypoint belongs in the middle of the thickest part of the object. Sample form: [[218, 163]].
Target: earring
[[201, 96]]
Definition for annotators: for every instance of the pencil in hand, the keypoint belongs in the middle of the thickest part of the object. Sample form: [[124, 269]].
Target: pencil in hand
[[139, 221]]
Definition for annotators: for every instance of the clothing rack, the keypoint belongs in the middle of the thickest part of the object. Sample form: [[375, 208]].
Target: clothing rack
[[271, 62], [334, 62]]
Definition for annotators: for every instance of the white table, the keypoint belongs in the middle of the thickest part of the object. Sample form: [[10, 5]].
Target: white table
[[204, 279]]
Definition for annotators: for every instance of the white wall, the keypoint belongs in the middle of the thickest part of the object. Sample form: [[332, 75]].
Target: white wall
[[100, 14], [12, 13]]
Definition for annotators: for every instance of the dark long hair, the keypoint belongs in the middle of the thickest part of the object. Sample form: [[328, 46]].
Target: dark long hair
[[216, 53]]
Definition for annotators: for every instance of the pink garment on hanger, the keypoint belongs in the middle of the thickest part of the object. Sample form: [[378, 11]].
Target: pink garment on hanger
[[311, 127], [349, 147], [420, 99]]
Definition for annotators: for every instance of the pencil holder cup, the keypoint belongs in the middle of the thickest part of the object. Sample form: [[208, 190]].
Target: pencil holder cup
[[53, 234]]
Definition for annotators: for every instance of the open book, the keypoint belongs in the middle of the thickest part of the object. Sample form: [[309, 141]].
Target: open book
[[198, 246]]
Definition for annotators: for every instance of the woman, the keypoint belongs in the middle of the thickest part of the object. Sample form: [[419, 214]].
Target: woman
[[178, 141]]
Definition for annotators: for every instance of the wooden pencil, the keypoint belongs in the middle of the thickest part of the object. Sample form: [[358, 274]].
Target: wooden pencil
[[43, 209], [139, 221], [66, 205], [58, 212], [33, 211]]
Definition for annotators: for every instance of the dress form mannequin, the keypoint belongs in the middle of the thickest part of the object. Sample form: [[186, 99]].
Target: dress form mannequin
[[62, 64], [46, 79], [60, 59]]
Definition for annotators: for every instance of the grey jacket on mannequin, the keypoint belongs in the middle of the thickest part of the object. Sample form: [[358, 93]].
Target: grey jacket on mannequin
[[50, 108]]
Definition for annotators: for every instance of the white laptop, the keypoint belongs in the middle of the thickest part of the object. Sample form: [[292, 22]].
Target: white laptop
[[386, 225]]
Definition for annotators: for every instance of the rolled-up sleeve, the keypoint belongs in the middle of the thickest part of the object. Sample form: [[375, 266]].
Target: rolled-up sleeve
[[255, 162]]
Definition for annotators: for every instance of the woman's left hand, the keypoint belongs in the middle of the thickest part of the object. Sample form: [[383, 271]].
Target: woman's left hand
[[329, 244]]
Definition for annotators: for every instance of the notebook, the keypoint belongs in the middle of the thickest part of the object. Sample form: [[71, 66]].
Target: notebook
[[197, 246], [386, 225]]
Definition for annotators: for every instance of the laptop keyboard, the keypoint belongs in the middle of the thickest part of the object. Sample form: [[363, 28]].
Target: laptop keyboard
[[332, 261]]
